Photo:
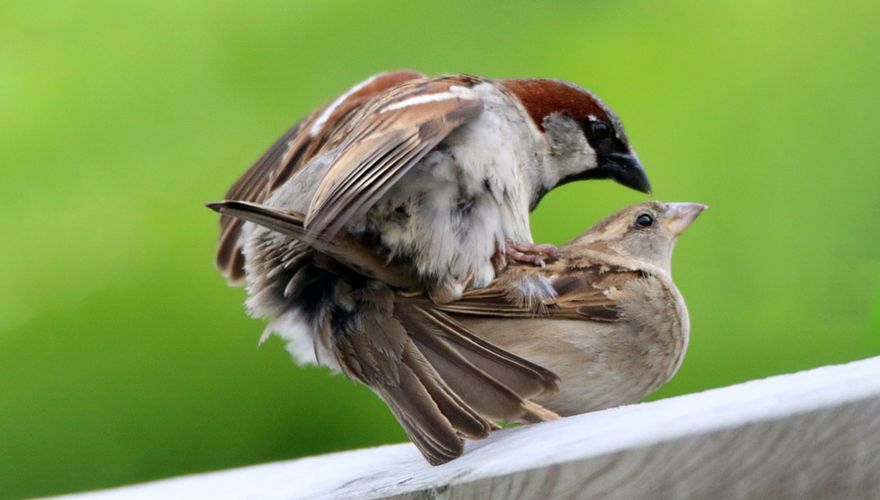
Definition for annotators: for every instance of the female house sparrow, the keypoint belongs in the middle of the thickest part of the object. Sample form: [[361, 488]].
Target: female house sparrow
[[438, 172], [604, 316], [613, 326]]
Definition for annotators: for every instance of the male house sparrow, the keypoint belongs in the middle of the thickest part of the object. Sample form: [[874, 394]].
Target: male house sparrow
[[604, 316], [440, 173]]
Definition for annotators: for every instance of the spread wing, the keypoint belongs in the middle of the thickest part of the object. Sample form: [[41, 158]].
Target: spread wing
[[402, 128], [316, 133], [585, 293]]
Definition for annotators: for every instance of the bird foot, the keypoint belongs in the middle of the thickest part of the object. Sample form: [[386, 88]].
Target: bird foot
[[523, 252]]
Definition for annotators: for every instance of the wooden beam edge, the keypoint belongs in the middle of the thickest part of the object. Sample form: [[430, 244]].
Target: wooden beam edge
[[823, 413]]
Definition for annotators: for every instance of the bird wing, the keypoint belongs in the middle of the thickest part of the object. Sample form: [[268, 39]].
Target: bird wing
[[385, 140], [299, 145], [582, 292]]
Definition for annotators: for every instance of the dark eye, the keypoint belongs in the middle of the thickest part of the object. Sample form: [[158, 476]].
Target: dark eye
[[644, 220], [599, 129]]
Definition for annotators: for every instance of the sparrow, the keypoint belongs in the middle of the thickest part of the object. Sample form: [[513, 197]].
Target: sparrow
[[612, 325], [437, 172], [602, 324]]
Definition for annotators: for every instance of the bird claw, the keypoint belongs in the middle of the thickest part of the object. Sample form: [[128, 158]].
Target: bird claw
[[523, 252], [499, 258]]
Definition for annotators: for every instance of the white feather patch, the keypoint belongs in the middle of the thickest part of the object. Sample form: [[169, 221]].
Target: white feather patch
[[533, 290], [420, 99], [293, 329], [316, 127]]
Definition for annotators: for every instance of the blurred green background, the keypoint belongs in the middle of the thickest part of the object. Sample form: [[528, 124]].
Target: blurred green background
[[123, 355]]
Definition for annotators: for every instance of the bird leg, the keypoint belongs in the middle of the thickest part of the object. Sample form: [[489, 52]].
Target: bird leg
[[522, 252]]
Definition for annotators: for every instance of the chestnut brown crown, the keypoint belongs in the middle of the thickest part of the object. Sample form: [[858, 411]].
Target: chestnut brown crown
[[543, 98]]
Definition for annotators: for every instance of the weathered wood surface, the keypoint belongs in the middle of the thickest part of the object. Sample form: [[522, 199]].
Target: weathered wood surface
[[814, 434]]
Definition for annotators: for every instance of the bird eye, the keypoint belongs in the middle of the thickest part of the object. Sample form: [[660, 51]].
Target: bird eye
[[599, 129], [644, 220]]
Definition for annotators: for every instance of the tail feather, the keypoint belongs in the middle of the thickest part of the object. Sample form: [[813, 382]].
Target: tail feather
[[346, 248], [537, 413], [434, 452], [464, 419], [435, 392], [477, 388], [377, 351], [289, 223], [421, 418]]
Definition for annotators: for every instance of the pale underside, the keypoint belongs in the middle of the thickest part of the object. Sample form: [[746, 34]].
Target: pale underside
[[601, 364]]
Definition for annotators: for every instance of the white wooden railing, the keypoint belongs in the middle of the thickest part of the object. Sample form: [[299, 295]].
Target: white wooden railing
[[814, 434]]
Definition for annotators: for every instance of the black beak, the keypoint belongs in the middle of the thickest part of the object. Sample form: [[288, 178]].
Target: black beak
[[626, 169]]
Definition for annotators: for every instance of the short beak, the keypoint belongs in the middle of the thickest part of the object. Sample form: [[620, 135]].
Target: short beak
[[680, 215], [626, 169]]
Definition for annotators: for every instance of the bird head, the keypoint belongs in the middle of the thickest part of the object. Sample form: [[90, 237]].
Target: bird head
[[645, 232], [586, 139]]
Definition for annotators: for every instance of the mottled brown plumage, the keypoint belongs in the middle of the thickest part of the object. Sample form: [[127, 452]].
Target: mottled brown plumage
[[601, 325], [409, 183], [611, 323], [293, 150], [437, 171]]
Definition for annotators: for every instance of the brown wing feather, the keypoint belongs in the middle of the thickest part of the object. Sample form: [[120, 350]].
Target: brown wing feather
[[402, 129], [580, 293], [524, 377], [349, 250], [300, 144], [252, 186]]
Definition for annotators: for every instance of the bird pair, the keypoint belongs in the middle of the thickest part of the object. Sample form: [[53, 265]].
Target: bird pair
[[386, 236]]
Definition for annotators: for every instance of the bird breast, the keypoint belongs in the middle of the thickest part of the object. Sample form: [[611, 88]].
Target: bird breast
[[601, 364]]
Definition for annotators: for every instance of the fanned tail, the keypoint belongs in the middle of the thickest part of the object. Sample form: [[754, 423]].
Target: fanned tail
[[442, 383]]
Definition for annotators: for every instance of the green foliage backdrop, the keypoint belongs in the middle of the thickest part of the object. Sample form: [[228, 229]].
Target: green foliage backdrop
[[123, 355]]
